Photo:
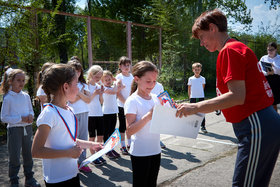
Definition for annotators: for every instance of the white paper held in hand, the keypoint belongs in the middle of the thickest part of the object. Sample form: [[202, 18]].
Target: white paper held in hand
[[109, 145], [164, 121]]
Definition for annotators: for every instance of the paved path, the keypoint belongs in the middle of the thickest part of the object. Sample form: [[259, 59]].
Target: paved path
[[205, 161]]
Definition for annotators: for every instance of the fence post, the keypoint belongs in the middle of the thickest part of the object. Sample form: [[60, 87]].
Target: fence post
[[160, 49], [128, 40], [89, 42]]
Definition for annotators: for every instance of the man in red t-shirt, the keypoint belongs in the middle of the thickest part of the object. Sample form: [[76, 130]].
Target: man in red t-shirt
[[245, 98]]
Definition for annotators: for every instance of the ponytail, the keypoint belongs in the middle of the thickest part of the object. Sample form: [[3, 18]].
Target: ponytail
[[133, 87]]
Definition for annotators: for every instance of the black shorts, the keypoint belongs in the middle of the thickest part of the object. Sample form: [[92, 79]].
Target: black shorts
[[95, 126], [274, 82], [75, 181], [122, 121]]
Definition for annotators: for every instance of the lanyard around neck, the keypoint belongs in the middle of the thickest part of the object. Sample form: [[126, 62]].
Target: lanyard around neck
[[73, 136]]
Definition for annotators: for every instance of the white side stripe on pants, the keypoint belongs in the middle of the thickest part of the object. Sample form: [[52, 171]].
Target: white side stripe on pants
[[254, 150]]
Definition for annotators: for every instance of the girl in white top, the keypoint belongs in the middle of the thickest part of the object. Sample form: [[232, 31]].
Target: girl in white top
[[17, 111], [80, 108], [41, 95], [110, 107], [145, 146], [272, 74], [126, 78], [56, 138], [95, 117]]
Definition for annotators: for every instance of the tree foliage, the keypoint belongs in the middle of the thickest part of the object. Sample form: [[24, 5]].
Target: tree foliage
[[32, 37]]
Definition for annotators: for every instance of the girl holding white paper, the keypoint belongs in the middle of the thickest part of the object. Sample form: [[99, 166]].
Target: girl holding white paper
[[145, 148], [56, 140]]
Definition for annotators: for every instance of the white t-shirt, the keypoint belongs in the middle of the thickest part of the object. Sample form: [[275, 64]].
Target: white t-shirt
[[275, 61], [95, 108], [157, 89], [143, 143], [110, 105], [126, 81], [80, 106], [40, 91], [14, 106], [58, 169], [196, 84]]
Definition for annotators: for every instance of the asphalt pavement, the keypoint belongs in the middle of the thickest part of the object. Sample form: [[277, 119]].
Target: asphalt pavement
[[205, 161]]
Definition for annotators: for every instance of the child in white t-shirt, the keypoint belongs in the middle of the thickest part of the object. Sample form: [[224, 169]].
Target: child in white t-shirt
[[145, 148], [41, 95], [56, 140], [196, 85], [18, 113], [95, 116], [110, 107], [80, 108], [126, 78]]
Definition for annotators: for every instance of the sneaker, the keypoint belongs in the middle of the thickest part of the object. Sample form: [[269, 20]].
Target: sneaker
[[203, 129], [124, 151], [162, 145], [110, 155], [218, 112], [117, 155], [31, 183], [85, 169], [102, 160], [97, 162]]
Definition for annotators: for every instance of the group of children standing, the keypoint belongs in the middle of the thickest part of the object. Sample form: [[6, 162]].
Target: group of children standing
[[74, 109]]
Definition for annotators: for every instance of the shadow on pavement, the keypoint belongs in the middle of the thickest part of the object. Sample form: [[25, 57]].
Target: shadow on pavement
[[179, 155], [92, 179], [220, 137]]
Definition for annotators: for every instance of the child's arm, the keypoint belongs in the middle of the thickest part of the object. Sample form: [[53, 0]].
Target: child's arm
[[31, 112], [43, 99], [6, 117], [84, 95], [40, 151], [101, 97], [189, 91], [95, 146], [133, 127], [120, 87], [112, 91], [120, 97]]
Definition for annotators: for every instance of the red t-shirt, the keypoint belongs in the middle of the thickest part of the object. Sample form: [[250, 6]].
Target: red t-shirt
[[236, 61]]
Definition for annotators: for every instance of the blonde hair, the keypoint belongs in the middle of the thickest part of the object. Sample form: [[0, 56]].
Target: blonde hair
[[93, 70], [107, 73], [196, 65], [9, 75]]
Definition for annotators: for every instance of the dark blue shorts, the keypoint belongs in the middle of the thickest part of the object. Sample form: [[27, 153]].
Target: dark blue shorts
[[258, 148]]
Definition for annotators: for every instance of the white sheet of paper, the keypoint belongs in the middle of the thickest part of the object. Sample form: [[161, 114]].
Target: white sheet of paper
[[164, 121]]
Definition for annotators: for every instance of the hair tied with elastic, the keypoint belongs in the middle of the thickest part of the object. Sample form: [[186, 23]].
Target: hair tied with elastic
[[8, 71]]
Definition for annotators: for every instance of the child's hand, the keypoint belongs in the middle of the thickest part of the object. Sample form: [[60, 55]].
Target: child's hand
[[30, 118], [75, 152], [102, 89], [150, 114], [24, 119], [96, 146]]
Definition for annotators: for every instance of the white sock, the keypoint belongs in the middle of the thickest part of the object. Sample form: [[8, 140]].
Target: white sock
[[128, 142], [123, 143]]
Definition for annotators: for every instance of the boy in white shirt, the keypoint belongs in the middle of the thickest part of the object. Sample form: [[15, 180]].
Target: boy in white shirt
[[196, 85]]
